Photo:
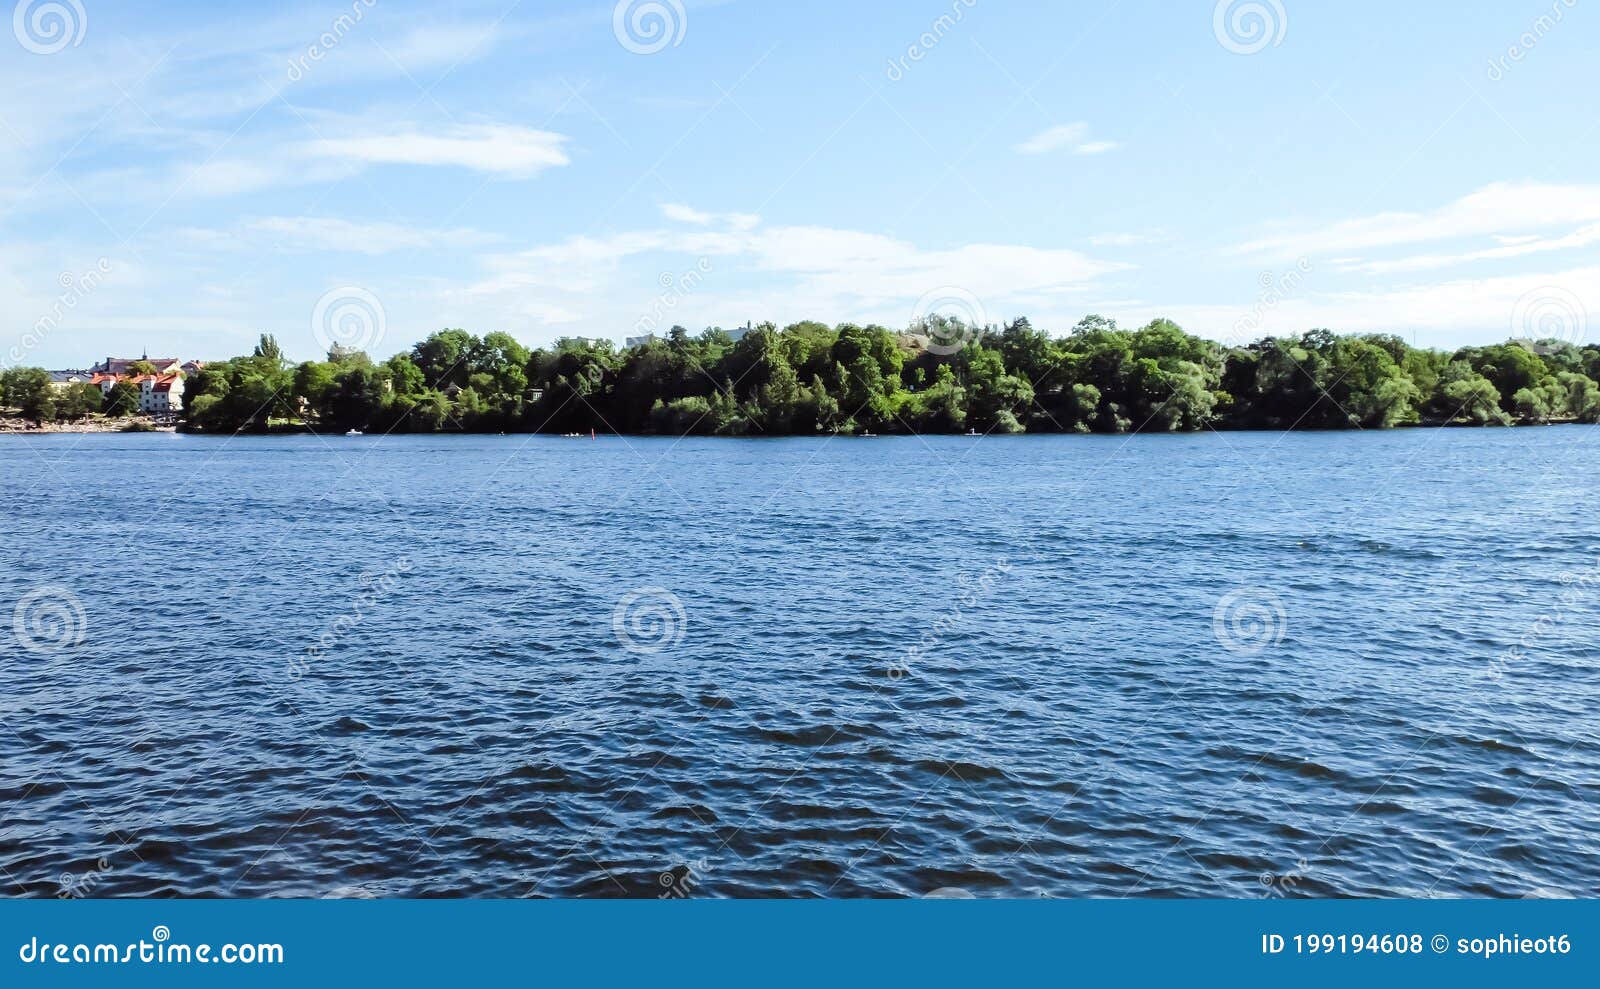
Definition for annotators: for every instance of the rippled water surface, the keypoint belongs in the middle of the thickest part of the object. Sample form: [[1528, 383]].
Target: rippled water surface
[[1217, 665]]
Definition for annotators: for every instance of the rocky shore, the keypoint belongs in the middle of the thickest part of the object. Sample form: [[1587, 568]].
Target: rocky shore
[[95, 424]]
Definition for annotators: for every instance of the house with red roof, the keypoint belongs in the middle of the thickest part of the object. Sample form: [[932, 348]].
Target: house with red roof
[[160, 392]]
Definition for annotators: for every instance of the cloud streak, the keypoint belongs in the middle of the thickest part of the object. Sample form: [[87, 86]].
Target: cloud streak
[[499, 149], [1072, 138]]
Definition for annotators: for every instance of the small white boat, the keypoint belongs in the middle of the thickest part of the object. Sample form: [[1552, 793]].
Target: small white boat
[[355, 432]]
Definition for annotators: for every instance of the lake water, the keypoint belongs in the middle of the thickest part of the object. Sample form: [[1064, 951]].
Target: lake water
[[1233, 665]]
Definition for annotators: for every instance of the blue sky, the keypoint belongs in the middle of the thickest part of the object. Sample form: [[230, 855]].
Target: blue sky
[[181, 177]]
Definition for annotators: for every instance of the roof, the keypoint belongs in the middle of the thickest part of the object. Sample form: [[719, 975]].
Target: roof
[[138, 379], [67, 377], [120, 365]]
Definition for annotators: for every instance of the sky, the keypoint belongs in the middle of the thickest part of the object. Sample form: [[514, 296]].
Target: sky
[[177, 178]]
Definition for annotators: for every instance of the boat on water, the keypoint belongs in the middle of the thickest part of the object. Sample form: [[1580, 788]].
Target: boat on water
[[355, 432]]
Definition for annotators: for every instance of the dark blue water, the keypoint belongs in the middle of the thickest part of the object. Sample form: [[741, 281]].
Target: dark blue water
[[1242, 665]]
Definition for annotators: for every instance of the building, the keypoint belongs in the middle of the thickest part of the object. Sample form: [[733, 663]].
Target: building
[[123, 366], [66, 379], [159, 393], [736, 334]]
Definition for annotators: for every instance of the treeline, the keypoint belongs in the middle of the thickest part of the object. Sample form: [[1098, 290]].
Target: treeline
[[941, 377], [29, 391], [944, 377]]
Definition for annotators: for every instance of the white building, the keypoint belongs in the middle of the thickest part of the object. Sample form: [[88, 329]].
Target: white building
[[161, 394]]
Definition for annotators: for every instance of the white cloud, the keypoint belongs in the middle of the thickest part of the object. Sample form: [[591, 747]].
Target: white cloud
[[680, 213], [685, 214], [235, 176], [1512, 247], [1095, 147], [333, 234], [236, 167], [781, 272], [500, 149], [1128, 239], [1064, 137], [1503, 209], [1445, 314]]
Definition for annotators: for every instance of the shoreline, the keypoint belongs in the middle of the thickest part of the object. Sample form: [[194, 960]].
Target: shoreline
[[78, 429], [11, 426]]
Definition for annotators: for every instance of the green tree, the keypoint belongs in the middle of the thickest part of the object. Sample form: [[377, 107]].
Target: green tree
[[121, 399], [28, 389]]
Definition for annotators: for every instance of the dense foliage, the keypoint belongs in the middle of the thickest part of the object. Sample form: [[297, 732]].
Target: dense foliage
[[29, 391], [810, 378]]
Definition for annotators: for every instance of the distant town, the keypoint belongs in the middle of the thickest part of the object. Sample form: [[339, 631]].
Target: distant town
[[159, 379], [118, 392]]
